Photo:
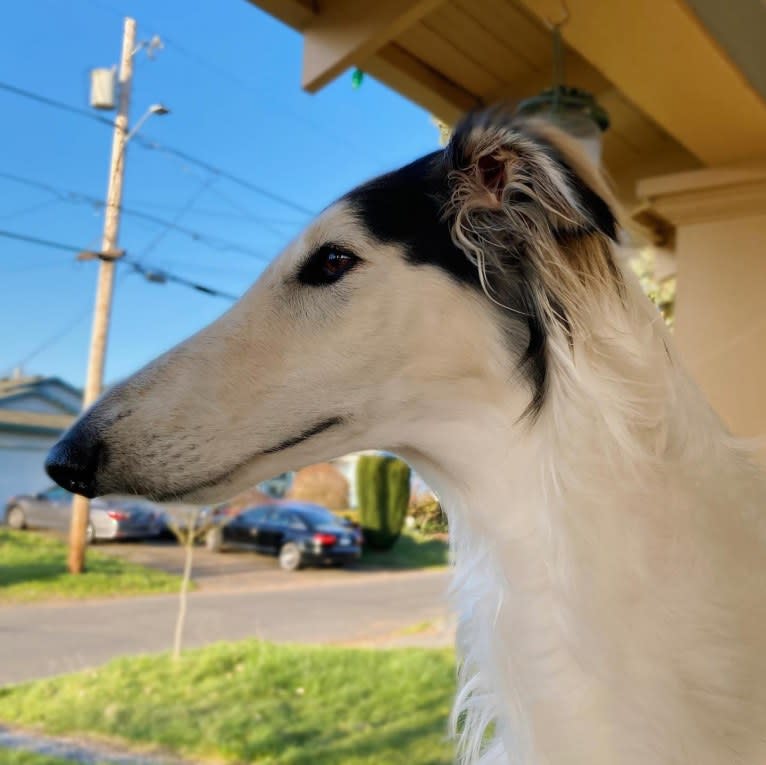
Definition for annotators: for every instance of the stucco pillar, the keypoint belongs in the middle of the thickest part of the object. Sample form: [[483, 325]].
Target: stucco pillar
[[719, 221]]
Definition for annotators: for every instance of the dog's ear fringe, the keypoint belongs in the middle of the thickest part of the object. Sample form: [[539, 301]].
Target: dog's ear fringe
[[506, 157], [526, 206], [524, 188]]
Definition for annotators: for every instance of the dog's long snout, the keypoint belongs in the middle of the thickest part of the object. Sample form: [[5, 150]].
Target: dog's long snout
[[74, 461]]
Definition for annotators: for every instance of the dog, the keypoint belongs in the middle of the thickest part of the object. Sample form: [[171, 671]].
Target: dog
[[472, 313]]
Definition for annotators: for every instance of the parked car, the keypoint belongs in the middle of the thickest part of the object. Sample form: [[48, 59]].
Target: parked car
[[299, 533], [111, 517]]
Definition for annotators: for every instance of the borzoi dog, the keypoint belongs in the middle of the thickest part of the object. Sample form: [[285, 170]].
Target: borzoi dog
[[470, 312]]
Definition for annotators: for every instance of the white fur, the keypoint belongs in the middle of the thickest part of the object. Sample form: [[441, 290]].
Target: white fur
[[610, 578]]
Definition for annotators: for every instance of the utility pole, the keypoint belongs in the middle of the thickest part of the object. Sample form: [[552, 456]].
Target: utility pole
[[103, 306]]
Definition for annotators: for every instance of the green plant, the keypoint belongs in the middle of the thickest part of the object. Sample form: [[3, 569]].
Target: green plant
[[253, 702], [383, 486], [427, 515], [33, 567]]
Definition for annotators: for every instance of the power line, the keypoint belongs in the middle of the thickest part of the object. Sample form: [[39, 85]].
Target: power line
[[50, 341], [179, 214], [58, 335], [243, 210], [42, 242], [239, 213], [338, 139], [30, 209], [160, 276], [153, 275], [225, 74], [78, 197], [148, 143], [54, 104]]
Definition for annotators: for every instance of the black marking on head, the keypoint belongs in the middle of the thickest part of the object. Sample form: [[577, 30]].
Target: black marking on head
[[596, 209], [407, 207]]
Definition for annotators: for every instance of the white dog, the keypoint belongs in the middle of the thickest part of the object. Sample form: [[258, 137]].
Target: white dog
[[468, 312]]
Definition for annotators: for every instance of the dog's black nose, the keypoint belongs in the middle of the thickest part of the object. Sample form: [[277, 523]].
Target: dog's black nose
[[74, 461]]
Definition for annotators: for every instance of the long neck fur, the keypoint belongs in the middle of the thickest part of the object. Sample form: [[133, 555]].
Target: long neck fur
[[609, 556]]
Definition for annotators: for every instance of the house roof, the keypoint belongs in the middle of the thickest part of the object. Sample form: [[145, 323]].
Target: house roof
[[37, 385], [35, 422], [682, 81], [19, 386], [19, 420]]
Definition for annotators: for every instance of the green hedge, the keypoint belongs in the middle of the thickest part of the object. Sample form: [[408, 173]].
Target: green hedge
[[383, 488]]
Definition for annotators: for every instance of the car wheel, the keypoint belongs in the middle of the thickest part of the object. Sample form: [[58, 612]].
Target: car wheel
[[214, 540], [90, 534], [290, 557], [15, 518]]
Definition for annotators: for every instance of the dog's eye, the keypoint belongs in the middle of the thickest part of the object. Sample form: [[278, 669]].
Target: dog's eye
[[327, 265]]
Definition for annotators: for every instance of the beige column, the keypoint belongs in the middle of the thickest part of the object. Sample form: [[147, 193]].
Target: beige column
[[719, 220]]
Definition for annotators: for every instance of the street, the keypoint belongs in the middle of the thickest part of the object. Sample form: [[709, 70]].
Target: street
[[347, 607]]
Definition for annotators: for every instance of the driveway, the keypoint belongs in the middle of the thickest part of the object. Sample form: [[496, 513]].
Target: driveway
[[231, 570], [320, 607], [236, 569]]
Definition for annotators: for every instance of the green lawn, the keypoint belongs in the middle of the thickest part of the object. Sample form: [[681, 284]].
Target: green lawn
[[257, 702], [33, 567], [410, 551], [19, 757]]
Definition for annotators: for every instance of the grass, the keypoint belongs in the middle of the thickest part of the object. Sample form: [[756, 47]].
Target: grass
[[410, 551], [33, 567], [257, 702], [418, 628], [20, 757]]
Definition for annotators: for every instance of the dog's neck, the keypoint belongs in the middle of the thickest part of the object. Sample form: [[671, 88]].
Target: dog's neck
[[590, 548]]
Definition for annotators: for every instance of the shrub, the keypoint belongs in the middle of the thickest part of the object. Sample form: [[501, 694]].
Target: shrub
[[427, 515], [383, 486], [322, 484], [349, 515]]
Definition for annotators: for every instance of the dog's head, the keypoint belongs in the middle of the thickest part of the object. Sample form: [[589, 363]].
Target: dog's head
[[415, 297]]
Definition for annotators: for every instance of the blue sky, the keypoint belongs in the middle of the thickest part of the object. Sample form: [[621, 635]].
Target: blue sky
[[231, 76]]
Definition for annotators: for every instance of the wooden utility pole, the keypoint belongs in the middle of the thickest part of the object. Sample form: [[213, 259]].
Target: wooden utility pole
[[103, 306]]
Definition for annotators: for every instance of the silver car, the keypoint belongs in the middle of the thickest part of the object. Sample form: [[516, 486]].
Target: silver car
[[111, 517]]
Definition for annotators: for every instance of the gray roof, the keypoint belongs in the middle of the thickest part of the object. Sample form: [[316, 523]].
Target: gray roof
[[18, 386], [33, 422]]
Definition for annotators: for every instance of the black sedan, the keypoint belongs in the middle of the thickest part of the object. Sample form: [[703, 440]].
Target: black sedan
[[299, 533]]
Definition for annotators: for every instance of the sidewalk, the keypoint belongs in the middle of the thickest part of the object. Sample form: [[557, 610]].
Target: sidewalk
[[80, 751]]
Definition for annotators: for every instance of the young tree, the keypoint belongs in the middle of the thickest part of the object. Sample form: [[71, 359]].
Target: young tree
[[189, 524]]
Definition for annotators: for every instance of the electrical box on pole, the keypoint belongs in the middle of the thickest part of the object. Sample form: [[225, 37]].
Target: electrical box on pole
[[103, 88]]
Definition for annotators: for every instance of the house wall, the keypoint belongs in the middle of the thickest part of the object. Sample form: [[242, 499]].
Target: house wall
[[721, 316], [719, 217], [21, 464]]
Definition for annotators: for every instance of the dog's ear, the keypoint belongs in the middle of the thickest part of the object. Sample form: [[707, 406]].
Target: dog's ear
[[497, 163], [537, 221]]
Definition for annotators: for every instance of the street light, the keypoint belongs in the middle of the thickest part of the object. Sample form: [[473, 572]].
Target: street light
[[107, 256], [158, 109]]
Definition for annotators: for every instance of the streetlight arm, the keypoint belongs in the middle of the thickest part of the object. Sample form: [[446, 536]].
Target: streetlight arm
[[157, 109]]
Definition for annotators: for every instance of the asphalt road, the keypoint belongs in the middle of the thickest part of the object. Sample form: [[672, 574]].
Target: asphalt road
[[41, 640]]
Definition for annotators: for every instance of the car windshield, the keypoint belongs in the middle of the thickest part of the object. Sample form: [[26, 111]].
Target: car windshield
[[316, 517], [56, 494]]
